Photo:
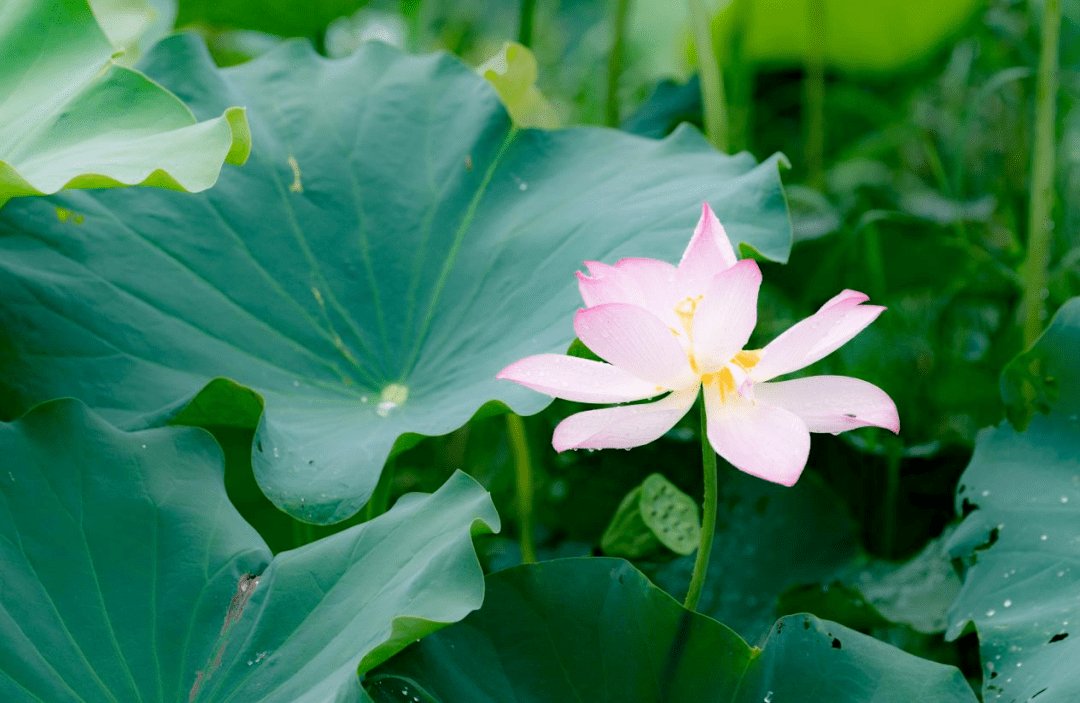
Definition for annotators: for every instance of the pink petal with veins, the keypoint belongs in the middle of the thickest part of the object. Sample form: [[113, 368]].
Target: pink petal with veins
[[582, 380], [646, 283], [817, 336], [726, 316], [832, 403], [622, 427], [636, 341], [708, 253], [763, 440]]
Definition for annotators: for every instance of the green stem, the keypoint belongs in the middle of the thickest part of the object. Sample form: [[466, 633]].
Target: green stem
[[739, 83], [525, 27], [708, 517], [302, 532], [519, 448], [1040, 223], [874, 260], [410, 10], [611, 113], [937, 168], [814, 94], [893, 453], [712, 81], [380, 499]]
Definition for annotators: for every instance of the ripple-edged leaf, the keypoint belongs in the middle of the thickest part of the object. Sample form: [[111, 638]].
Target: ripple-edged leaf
[[72, 118], [596, 630], [393, 242], [1020, 540], [128, 575]]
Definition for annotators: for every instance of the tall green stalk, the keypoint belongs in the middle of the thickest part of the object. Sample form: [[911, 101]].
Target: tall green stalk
[[519, 449], [814, 94], [302, 533], [1040, 222], [380, 498], [410, 10], [893, 453], [611, 112], [708, 517], [525, 26], [712, 81]]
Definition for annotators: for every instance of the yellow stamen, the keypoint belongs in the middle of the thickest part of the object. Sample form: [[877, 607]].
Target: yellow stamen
[[685, 312], [748, 359], [723, 379]]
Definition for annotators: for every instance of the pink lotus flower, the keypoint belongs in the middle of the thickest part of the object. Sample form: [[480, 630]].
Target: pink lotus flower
[[673, 330]]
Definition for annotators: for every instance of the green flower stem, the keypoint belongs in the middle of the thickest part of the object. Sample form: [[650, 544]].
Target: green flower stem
[[525, 27], [410, 10], [708, 518], [1040, 223], [302, 533], [380, 499], [873, 260], [519, 448], [611, 113], [712, 81], [814, 94], [893, 453]]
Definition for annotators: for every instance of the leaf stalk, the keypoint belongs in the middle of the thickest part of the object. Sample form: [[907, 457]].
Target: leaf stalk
[[519, 449], [711, 79], [1040, 218]]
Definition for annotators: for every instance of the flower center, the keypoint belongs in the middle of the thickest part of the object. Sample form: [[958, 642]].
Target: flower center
[[729, 379], [725, 380]]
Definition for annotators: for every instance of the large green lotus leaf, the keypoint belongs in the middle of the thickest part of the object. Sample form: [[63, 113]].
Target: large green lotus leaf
[[1021, 538], [596, 630], [917, 593], [768, 539], [391, 245], [71, 118], [128, 575], [807, 660]]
